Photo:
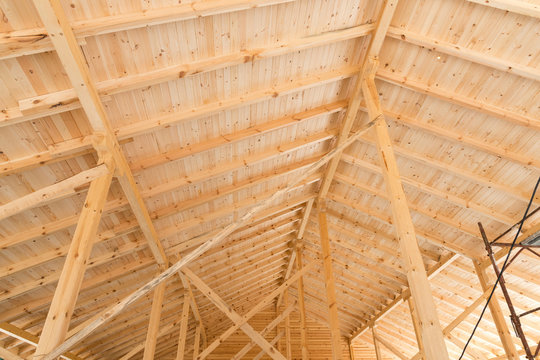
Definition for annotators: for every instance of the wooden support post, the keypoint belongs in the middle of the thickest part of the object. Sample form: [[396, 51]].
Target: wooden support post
[[329, 282], [65, 296], [301, 305], [275, 340], [183, 329], [196, 343], [351, 350], [416, 325], [288, 350], [497, 315], [432, 336], [153, 325], [378, 353], [390, 347], [233, 315]]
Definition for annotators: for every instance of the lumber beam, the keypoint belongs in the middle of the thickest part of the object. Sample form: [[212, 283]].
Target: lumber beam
[[153, 324], [377, 39], [183, 329], [378, 352], [302, 305], [65, 296], [37, 40], [299, 236], [218, 238], [233, 315], [24, 336], [496, 313], [8, 355], [65, 44], [261, 305], [417, 327], [273, 342], [432, 336], [196, 342], [329, 282], [288, 348], [513, 6], [239, 355], [377, 339], [53, 192], [464, 53]]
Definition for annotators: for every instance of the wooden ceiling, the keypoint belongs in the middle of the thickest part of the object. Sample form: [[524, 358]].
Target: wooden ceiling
[[214, 106]]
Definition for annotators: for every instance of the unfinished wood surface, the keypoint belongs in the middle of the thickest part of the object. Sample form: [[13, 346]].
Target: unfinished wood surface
[[207, 108]]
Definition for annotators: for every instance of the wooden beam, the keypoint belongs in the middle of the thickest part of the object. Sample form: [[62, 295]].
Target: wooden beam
[[183, 329], [497, 314], [233, 315], [377, 39], [461, 52], [218, 238], [378, 352], [329, 282], [8, 355], [273, 342], [153, 325], [513, 6], [196, 342], [288, 348], [36, 40], [53, 192], [25, 336], [261, 305], [390, 347], [434, 345], [65, 296], [239, 355], [301, 305]]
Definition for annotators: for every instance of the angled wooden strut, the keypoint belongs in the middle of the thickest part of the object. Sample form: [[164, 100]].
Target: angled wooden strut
[[183, 329], [67, 290], [432, 336], [301, 305], [153, 326], [234, 316]]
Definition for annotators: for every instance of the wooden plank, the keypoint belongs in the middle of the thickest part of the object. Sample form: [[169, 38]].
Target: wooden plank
[[432, 336], [153, 324], [288, 348], [53, 192], [239, 355], [183, 329], [390, 347], [301, 305], [461, 52], [329, 282], [233, 315], [36, 40], [273, 342], [261, 305], [65, 296], [514, 6], [497, 314], [218, 238], [377, 39]]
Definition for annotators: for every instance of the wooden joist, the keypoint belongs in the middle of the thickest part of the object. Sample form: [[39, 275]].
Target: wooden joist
[[513, 6], [301, 305], [153, 324], [183, 329]]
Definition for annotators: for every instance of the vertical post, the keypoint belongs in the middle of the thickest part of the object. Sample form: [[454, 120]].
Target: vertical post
[[66, 293], [301, 305], [329, 282], [153, 324], [378, 353], [432, 335], [196, 344], [288, 353], [497, 315], [183, 329], [416, 325]]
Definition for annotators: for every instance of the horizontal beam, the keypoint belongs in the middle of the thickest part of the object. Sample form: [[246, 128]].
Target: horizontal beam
[[513, 6]]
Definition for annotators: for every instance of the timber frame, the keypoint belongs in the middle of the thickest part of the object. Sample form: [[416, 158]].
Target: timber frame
[[259, 179]]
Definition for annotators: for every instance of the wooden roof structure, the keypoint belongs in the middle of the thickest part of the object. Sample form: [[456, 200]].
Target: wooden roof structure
[[285, 179]]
